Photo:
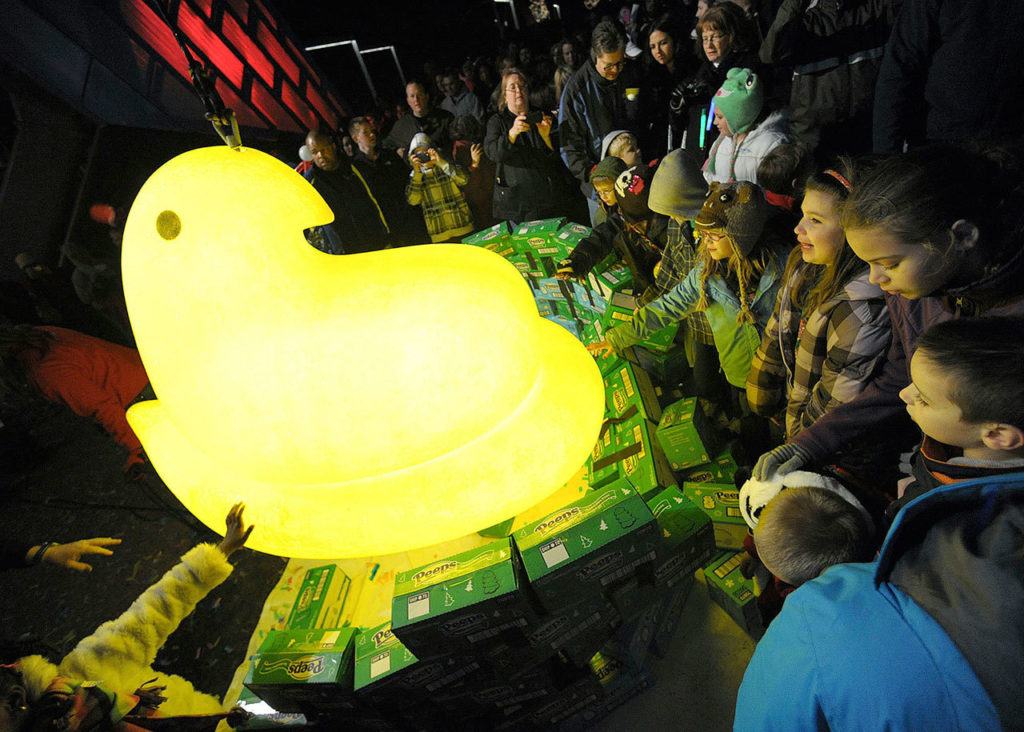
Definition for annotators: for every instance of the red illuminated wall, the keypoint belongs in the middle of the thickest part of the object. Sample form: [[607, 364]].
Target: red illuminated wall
[[262, 74]]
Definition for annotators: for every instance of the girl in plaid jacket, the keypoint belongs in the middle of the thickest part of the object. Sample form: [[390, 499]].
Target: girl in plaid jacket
[[829, 332]]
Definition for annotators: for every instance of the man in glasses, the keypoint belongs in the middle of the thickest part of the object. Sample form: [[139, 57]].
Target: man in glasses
[[600, 97]]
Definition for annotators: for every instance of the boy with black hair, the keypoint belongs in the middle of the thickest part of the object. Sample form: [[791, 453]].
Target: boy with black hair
[[967, 396], [781, 173]]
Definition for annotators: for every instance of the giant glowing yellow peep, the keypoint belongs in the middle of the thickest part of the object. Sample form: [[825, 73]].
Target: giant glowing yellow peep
[[360, 404]]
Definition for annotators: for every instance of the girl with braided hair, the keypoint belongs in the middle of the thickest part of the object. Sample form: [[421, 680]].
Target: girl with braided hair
[[741, 255]]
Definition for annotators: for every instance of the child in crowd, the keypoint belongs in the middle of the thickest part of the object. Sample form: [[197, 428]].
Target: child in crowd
[[632, 231], [108, 681], [781, 173], [967, 396], [747, 133], [435, 184], [678, 191], [603, 177], [939, 228], [734, 283], [622, 144], [829, 331], [804, 530]]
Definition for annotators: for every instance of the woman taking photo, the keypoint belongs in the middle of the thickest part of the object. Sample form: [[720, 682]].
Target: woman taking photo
[[531, 181], [668, 65]]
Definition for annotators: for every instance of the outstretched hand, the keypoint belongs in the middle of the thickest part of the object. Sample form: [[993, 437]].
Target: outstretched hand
[[237, 534], [70, 555]]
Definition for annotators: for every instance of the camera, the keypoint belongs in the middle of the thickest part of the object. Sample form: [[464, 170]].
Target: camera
[[534, 116], [422, 157]]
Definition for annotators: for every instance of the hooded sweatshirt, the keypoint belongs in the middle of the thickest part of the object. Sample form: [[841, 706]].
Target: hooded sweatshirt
[[927, 637]]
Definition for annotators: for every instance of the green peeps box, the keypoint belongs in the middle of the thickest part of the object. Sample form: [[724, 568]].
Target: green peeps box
[[600, 470], [617, 278], [577, 552], [576, 630], [531, 235], [620, 310], [729, 589], [589, 300], [661, 341], [687, 537], [572, 234], [628, 386], [635, 457], [320, 600], [720, 470], [669, 615], [721, 502], [496, 238], [305, 671], [462, 601], [685, 435], [383, 668]]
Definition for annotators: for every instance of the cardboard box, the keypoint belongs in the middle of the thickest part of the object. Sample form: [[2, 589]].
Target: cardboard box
[[670, 612], [627, 386], [729, 589], [305, 671], [685, 435], [720, 470], [661, 341], [321, 599], [721, 502], [462, 602], [687, 537], [264, 716], [589, 299], [620, 310], [576, 630], [572, 234], [636, 457], [380, 660], [631, 643], [668, 369], [498, 530], [616, 278], [496, 238], [535, 234], [577, 552]]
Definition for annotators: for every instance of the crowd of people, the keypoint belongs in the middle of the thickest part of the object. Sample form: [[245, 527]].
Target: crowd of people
[[829, 198]]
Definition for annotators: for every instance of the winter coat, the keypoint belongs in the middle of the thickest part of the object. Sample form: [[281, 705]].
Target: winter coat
[[807, 365], [927, 637], [590, 108], [1000, 292], [93, 377], [435, 124], [736, 342], [121, 652], [531, 182], [835, 48], [359, 223], [640, 252], [956, 65], [728, 162]]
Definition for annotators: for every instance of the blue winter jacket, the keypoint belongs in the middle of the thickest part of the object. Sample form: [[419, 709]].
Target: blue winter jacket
[[930, 636]]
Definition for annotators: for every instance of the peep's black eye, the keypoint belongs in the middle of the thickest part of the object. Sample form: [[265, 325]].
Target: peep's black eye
[[724, 198], [168, 225]]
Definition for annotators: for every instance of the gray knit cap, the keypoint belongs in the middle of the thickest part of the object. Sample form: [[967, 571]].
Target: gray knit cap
[[679, 187]]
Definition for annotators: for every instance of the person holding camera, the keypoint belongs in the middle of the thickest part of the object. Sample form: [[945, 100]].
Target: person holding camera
[[435, 185], [531, 181], [726, 39]]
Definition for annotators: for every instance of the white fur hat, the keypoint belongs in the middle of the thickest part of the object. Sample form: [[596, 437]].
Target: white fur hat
[[755, 494]]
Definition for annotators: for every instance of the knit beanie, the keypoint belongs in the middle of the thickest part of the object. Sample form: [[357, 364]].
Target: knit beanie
[[420, 139], [678, 188], [738, 208], [740, 99], [610, 168], [607, 140], [632, 190]]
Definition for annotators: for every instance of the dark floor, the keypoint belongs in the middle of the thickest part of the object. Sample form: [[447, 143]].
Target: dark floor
[[75, 489]]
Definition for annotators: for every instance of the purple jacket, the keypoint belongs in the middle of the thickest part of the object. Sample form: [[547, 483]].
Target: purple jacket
[[999, 293]]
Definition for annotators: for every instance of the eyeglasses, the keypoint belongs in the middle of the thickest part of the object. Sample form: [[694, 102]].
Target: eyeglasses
[[618, 65], [713, 38], [711, 237]]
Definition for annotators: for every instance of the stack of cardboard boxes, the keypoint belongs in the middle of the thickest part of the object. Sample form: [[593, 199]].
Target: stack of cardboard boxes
[[552, 626]]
